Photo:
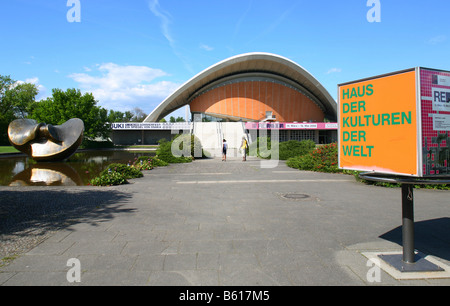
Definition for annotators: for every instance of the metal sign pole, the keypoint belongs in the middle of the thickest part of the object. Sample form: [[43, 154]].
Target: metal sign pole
[[408, 223], [409, 261]]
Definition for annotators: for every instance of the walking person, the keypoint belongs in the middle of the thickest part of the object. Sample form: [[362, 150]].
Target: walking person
[[224, 150], [244, 146]]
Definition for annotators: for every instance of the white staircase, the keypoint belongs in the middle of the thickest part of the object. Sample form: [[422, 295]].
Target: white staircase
[[233, 132], [211, 135]]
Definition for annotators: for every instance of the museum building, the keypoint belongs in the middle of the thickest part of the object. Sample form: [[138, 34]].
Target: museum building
[[262, 88]]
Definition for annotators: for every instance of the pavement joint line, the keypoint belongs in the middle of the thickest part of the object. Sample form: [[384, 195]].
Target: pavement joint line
[[259, 181], [192, 174], [286, 171]]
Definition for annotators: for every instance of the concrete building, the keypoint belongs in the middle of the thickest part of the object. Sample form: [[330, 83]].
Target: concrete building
[[251, 88]]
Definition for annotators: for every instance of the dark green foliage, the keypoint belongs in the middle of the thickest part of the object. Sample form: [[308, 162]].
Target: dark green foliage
[[109, 179], [168, 150], [150, 160], [259, 149], [148, 163], [294, 148], [286, 149], [116, 174], [128, 171]]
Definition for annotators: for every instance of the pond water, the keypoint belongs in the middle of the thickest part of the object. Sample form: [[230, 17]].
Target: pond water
[[78, 170]]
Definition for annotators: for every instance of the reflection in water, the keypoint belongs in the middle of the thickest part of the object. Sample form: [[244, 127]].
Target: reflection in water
[[47, 174], [19, 167], [76, 171]]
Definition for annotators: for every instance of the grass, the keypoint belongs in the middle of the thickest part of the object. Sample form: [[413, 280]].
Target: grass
[[6, 260], [8, 149], [142, 146]]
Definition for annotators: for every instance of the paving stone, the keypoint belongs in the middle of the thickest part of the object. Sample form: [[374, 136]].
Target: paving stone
[[211, 223]]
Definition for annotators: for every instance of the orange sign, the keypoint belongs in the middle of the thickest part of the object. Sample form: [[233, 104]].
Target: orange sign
[[378, 129]]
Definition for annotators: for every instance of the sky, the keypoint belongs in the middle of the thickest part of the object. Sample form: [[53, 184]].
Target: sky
[[136, 53]]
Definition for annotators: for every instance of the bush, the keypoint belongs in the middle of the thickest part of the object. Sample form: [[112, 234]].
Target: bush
[[286, 150], [159, 163], [116, 174], [322, 159], [128, 172], [294, 148], [164, 152], [256, 150], [305, 162], [109, 179], [196, 145], [150, 161], [143, 165], [325, 159]]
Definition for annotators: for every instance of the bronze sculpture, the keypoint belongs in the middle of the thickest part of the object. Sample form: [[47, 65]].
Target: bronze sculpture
[[45, 142]]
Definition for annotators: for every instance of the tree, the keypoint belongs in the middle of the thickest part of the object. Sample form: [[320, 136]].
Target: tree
[[178, 119], [16, 99], [63, 106], [115, 116], [118, 116], [138, 115], [128, 116]]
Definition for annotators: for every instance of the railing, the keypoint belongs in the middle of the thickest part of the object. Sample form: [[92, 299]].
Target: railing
[[219, 133], [249, 139]]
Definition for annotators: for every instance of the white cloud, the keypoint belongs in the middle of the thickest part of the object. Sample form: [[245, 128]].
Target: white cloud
[[125, 87], [29, 61], [165, 19], [206, 47], [437, 39], [334, 70], [34, 80]]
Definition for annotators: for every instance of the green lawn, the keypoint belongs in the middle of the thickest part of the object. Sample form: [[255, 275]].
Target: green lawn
[[143, 146], [9, 149]]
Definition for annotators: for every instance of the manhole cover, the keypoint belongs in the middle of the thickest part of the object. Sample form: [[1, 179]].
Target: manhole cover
[[296, 196]]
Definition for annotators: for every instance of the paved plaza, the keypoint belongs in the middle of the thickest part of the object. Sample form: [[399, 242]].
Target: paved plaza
[[214, 223]]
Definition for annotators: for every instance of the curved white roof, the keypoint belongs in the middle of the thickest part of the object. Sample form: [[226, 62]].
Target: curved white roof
[[250, 62]]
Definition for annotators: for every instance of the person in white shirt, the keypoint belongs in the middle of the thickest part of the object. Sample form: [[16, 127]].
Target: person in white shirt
[[224, 150]]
